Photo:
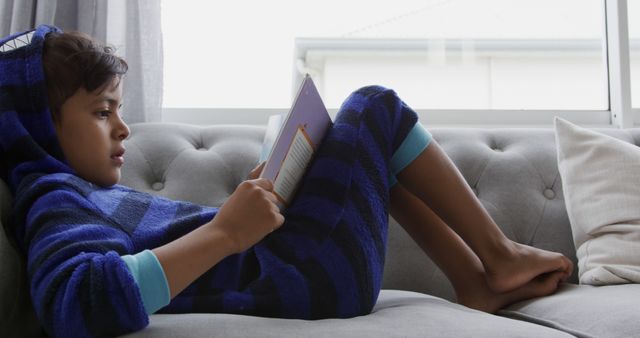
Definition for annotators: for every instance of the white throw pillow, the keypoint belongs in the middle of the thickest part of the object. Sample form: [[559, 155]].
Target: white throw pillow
[[601, 184]]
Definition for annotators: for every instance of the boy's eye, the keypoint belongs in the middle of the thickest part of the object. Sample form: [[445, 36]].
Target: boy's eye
[[104, 113]]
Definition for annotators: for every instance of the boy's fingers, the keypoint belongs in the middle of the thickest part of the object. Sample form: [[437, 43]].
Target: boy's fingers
[[264, 183], [256, 171], [274, 199], [280, 221]]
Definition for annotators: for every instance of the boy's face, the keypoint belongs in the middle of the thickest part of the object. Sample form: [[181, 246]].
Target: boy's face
[[90, 131]]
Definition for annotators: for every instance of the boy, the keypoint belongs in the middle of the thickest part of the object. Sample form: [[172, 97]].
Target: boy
[[101, 257]]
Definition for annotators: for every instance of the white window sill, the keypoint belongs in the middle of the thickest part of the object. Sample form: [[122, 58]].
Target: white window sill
[[433, 118]]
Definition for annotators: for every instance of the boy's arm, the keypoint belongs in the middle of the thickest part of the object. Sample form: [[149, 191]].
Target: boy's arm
[[249, 214], [162, 273], [81, 286], [177, 264]]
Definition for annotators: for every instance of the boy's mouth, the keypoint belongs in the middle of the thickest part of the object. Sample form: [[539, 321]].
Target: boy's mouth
[[119, 152], [118, 156]]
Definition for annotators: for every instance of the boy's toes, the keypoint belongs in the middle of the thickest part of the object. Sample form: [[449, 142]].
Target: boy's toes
[[567, 270], [549, 282]]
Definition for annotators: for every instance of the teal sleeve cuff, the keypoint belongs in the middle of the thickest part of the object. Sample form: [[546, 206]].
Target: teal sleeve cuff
[[416, 141], [151, 280]]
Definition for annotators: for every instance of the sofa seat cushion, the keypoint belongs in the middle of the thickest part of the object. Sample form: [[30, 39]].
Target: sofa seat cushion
[[585, 310], [397, 314]]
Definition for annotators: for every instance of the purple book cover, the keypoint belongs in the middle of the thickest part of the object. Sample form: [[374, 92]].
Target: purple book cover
[[299, 138]]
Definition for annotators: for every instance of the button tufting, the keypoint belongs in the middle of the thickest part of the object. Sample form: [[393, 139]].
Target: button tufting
[[202, 149], [548, 193], [157, 186], [493, 145]]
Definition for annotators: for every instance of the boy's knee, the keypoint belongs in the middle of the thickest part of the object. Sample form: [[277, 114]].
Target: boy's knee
[[372, 96], [372, 100], [374, 92], [379, 96]]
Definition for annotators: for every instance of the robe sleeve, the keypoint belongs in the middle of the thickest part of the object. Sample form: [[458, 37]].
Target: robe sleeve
[[150, 279], [80, 285]]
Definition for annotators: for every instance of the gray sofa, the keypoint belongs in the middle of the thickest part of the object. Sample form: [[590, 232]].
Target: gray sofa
[[513, 172]]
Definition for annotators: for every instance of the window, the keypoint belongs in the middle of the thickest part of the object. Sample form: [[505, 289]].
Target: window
[[468, 54], [512, 57], [238, 54]]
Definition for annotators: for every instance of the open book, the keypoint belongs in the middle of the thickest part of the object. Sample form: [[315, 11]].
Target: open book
[[290, 142]]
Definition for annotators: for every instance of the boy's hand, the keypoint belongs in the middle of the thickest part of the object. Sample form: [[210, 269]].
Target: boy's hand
[[250, 213], [255, 173]]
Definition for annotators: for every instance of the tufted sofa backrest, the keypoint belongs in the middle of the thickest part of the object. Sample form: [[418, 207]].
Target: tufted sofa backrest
[[187, 162], [513, 172]]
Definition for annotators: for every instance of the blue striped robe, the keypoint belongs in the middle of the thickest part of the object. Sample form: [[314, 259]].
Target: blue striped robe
[[325, 261]]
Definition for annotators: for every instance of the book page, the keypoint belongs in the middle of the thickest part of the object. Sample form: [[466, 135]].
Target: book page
[[294, 166]]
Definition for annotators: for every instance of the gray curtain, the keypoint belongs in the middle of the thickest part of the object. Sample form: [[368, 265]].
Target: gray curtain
[[132, 26]]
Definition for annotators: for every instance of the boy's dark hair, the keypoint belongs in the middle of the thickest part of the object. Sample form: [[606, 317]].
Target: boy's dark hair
[[74, 60]]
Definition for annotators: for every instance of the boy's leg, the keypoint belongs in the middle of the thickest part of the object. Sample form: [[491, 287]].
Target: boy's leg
[[458, 262], [433, 178], [327, 259]]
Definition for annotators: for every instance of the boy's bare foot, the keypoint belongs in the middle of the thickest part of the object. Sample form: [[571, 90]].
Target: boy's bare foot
[[521, 263], [483, 298]]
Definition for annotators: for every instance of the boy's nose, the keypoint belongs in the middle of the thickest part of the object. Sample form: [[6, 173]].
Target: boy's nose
[[125, 131], [122, 130]]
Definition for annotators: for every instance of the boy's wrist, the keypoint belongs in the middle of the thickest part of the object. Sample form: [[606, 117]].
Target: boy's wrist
[[219, 238]]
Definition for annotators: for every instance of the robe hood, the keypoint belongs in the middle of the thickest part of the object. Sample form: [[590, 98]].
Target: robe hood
[[28, 141]]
